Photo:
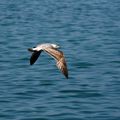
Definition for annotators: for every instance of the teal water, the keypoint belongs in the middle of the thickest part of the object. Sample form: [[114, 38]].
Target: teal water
[[89, 35]]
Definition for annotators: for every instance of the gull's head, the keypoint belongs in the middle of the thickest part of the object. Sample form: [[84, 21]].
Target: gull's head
[[55, 46]]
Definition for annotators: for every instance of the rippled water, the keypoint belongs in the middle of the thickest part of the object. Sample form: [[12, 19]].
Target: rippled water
[[88, 33]]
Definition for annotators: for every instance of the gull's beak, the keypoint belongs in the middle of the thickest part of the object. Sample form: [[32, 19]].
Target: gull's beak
[[58, 46]]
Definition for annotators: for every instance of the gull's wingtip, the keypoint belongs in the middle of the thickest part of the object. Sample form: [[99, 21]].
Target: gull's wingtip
[[31, 63], [66, 75]]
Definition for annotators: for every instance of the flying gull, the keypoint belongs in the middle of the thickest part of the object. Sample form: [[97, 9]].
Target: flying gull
[[52, 50]]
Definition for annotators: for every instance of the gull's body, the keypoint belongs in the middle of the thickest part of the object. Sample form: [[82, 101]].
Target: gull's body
[[52, 50]]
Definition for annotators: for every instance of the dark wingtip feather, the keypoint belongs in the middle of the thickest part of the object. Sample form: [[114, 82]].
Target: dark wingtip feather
[[31, 63], [34, 57], [66, 75]]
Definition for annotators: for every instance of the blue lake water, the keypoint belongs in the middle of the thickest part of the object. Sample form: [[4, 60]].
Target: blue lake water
[[89, 35]]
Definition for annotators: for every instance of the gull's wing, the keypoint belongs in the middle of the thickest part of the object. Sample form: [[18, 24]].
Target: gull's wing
[[61, 64], [34, 57], [59, 57]]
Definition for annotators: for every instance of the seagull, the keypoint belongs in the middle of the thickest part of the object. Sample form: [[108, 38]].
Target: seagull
[[52, 50]]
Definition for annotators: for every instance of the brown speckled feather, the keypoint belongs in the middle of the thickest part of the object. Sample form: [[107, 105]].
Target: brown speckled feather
[[59, 57]]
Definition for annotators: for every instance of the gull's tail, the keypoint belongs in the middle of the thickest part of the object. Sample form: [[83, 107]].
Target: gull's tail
[[30, 49]]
